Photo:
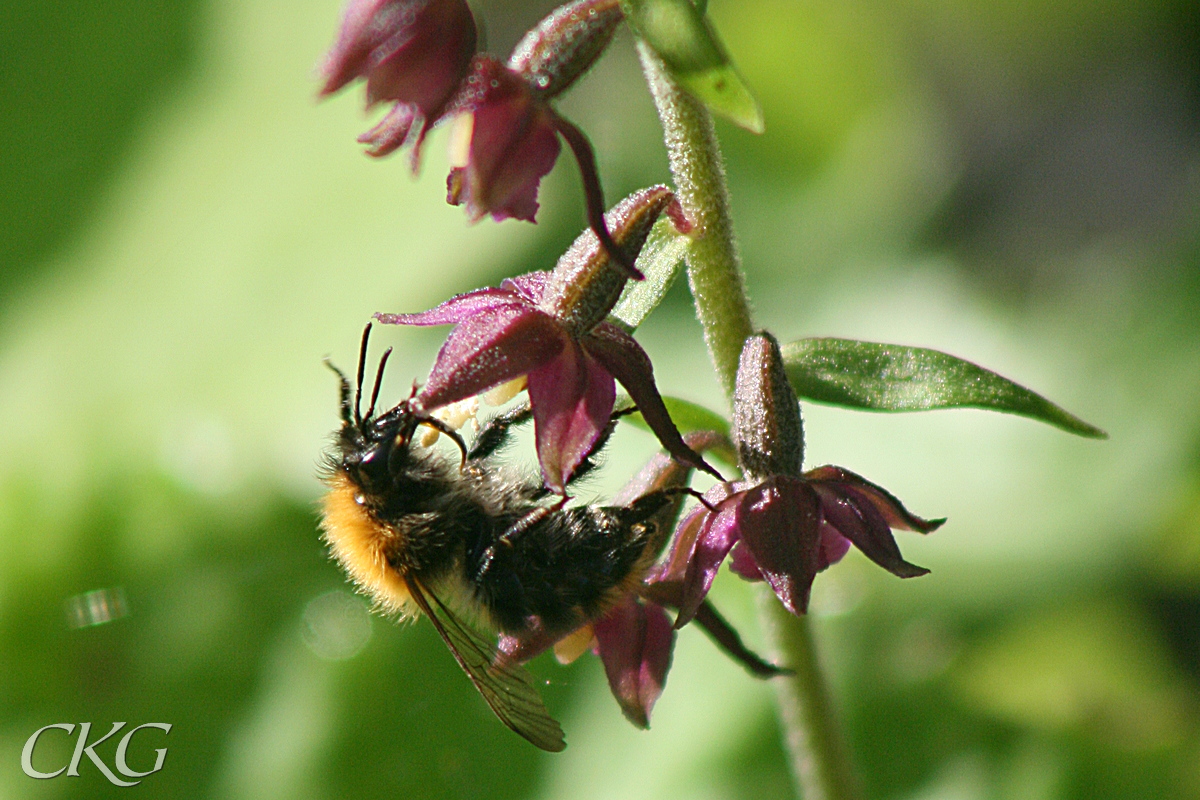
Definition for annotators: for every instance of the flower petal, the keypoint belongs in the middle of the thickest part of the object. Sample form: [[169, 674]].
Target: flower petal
[[458, 308], [572, 399], [392, 131], [489, 349], [855, 516], [529, 286], [519, 648], [349, 56], [885, 502], [742, 563], [779, 520], [833, 547], [676, 564], [423, 63], [634, 641], [719, 532], [629, 364]]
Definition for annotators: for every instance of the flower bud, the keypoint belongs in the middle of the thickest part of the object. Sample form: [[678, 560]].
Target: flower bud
[[586, 283], [565, 44], [766, 414]]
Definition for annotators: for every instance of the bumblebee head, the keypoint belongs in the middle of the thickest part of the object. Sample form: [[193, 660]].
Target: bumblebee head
[[374, 448]]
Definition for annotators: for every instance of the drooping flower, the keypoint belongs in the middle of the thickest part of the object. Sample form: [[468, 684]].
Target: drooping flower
[[551, 328], [412, 52], [633, 639], [505, 140], [507, 131], [782, 525]]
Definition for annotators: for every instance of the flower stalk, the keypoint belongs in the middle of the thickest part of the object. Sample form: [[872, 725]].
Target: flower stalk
[[714, 266], [819, 758]]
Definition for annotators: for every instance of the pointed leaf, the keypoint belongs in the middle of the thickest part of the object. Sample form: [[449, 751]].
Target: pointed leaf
[[888, 377], [660, 261], [685, 40]]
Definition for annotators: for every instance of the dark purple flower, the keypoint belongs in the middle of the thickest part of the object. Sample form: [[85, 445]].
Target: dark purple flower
[[507, 132], [413, 52], [782, 526], [551, 328], [506, 115], [505, 140], [635, 640], [634, 637]]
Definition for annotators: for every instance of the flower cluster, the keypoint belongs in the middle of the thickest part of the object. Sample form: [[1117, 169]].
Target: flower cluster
[[778, 524], [550, 332]]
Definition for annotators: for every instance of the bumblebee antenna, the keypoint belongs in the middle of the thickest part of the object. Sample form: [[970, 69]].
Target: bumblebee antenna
[[378, 381], [362, 364], [344, 389]]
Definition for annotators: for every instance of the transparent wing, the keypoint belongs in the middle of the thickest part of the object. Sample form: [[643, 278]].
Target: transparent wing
[[507, 687]]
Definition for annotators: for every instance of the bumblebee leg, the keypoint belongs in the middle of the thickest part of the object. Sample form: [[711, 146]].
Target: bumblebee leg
[[494, 433], [523, 524]]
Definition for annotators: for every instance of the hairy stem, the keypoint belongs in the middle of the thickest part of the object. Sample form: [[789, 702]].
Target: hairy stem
[[820, 761], [714, 268]]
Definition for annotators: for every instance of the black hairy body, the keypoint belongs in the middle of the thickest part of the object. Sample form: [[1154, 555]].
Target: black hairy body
[[484, 538], [422, 531]]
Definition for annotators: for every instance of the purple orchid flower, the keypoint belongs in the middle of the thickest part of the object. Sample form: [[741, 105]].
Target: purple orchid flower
[[782, 526], [512, 128], [413, 52], [511, 142], [551, 328], [635, 641]]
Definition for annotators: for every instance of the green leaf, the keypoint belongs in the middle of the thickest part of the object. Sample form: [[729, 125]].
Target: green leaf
[[690, 417], [660, 261], [888, 377], [685, 40]]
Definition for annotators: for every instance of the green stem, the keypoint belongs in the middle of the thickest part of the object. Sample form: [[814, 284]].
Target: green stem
[[714, 268], [820, 760]]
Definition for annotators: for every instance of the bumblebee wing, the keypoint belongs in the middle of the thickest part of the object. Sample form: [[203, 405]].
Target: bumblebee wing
[[507, 687]]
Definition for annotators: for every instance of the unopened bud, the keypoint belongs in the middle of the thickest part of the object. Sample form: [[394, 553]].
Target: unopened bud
[[586, 283], [565, 44], [766, 414]]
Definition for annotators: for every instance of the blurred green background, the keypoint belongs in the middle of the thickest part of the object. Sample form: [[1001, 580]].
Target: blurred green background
[[185, 233]]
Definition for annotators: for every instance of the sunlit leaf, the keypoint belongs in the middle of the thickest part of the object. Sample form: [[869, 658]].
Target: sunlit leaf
[[660, 261], [685, 40], [888, 377]]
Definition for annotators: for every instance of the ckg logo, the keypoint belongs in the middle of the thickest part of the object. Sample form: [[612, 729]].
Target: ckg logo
[[83, 748]]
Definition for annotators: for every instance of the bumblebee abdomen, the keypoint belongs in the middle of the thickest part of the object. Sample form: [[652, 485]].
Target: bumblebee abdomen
[[563, 571]]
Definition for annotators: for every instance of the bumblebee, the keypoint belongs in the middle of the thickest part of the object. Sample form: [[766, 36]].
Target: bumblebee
[[420, 531]]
